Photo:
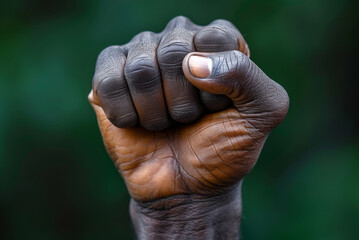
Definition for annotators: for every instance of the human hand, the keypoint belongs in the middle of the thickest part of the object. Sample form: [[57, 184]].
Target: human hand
[[184, 112]]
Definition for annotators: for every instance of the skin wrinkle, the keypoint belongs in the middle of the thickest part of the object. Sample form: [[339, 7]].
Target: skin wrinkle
[[196, 170], [227, 65], [176, 175], [252, 119], [190, 176], [151, 207], [181, 50], [224, 162], [111, 93], [262, 133], [233, 150], [204, 127], [241, 133], [241, 156], [179, 168], [177, 163], [175, 214], [174, 159], [168, 52], [204, 166], [232, 145], [219, 155], [144, 68], [156, 205], [105, 72], [176, 224], [239, 86], [123, 116], [136, 162]]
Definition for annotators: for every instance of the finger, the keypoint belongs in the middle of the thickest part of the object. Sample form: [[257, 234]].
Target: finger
[[242, 44], [181, 96], [110, 89], [218, 36], [144, 82], [233, 74]]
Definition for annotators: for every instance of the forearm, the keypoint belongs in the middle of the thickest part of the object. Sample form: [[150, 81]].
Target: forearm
[[189, 217]]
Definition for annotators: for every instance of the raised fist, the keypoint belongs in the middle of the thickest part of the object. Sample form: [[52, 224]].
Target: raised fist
[[184, 113]]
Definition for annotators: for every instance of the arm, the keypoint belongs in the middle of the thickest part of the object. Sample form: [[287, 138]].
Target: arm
[[189, 217]]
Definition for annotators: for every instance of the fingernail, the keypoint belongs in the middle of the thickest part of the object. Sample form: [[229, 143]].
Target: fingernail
[[199, 66]]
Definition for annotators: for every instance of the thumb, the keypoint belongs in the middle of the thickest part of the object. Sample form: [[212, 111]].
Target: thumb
[[233, 74]]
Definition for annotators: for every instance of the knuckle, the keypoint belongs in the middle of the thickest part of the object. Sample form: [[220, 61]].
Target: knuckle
[[109, 50], [108, 53], [143, 51], [237, 56], [241, 65], [111, 87], [244, 66], [173, 52], [179, 20], [236, 62], [142, 75], [225, 23], [144, 35], [217, 30]]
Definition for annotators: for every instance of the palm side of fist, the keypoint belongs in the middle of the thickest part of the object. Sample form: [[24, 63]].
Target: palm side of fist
[[184, 111]]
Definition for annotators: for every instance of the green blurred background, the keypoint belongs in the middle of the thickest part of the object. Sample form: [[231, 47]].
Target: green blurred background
[[56, 180]]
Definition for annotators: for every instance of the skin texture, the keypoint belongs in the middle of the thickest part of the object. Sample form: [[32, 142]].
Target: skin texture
[[181, 142]]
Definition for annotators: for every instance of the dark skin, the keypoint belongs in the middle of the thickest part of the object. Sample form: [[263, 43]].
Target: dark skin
[[184, 115]]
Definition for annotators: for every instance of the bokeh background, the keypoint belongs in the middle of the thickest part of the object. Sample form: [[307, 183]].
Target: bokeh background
[[56, 180]]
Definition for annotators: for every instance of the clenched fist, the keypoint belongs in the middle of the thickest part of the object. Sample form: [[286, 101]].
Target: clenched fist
[[184, 115]]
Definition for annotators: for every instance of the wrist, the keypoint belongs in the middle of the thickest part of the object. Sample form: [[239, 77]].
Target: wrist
[[189, 217]]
